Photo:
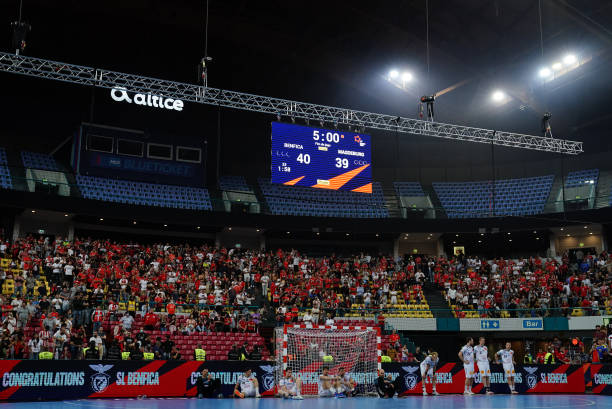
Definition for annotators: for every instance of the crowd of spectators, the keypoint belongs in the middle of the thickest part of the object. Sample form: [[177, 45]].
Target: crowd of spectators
[[82, 297], [527, 287], [67, 290]]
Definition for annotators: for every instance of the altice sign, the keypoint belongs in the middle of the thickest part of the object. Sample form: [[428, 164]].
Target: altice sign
[[157, 101]]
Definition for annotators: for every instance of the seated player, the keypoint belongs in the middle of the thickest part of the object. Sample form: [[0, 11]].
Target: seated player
[[428, 369], [507, 356], [345, 385], [247, 386], [326, 384], [290, 387]]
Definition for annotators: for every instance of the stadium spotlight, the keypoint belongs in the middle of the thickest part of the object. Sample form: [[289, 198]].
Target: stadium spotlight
[[557, 66], [406, 77], [498, 96], [569, 59], [545, 72], [393, 74]]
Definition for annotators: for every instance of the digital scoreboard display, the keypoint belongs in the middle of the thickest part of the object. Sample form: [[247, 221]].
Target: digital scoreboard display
[[321, 158]]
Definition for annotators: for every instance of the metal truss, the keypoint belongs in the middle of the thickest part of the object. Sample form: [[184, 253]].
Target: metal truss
[[77, 74]]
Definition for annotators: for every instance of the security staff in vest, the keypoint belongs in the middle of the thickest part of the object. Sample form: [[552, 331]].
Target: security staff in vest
[[147, 354], [528, 358], [45, 355], [549, 358], [91, 352], [125, 355], [243, 353], [207, 385], [199, 354]]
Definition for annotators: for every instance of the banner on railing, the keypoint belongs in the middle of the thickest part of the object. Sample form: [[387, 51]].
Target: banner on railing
[[33, 380], [600, 377], [450, 378], [55, 380]]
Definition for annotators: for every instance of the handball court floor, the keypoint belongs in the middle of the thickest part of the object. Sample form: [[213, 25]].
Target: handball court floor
[[417, 402]]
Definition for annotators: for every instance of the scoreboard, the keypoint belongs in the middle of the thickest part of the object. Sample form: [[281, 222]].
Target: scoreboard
[[321, 158]]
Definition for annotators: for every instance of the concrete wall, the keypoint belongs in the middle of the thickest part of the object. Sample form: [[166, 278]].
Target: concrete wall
[[564, 243]]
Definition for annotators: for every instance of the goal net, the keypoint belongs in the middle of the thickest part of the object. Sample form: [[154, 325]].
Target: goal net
[[307, 349]]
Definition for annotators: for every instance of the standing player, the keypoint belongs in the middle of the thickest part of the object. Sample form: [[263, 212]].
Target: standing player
[[290, 387], [467, 357], [482, 359], [507, 356], [247, 386], [428, 369]]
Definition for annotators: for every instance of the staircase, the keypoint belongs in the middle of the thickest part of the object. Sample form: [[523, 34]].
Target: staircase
[[263, 203], [554, 203], [16, 169], [437, 303], [437, 205], [604, 186], [391, 201]]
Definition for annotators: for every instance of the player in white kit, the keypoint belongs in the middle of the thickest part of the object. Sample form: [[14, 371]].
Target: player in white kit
[[247, 386], [428, 369], [326, 384], [467, 357], [290, 387], [507, 358], [345, 384], [482, 360]]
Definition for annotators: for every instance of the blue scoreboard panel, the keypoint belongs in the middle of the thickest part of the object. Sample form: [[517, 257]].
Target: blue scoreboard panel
[[321, 158]]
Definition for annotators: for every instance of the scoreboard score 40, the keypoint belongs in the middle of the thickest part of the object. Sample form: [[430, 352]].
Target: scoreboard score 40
[[321, 158]]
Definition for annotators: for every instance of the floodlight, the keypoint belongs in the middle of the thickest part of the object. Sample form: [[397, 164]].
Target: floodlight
[[545, 72], [569, 59], [557, 66], [406, 77], [393, 74], [498, 96]]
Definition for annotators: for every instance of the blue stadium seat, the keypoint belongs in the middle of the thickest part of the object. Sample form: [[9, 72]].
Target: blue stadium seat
[[146, 194], [511, 197]]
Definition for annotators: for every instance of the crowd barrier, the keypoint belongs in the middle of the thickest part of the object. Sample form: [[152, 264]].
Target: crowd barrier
[[58, 380]]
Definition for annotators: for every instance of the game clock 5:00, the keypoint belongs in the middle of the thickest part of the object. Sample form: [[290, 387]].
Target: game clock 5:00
[[321, 158]]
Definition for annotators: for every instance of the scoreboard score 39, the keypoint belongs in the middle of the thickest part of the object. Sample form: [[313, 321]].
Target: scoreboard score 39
[[321, 158]]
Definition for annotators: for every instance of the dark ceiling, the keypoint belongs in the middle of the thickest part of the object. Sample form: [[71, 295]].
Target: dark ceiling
[[337, 53]]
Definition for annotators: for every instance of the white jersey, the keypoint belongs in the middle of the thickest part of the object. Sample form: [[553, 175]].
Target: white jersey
[[245, 383], [429, 361], [288, 383], [482, 353], [507, 356], [468, 354]]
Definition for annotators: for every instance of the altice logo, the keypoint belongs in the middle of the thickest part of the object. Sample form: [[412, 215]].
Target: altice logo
[[121, 94]]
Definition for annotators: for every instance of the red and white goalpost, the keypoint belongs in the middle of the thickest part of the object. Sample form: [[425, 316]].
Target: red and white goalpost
[[355, 349]]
